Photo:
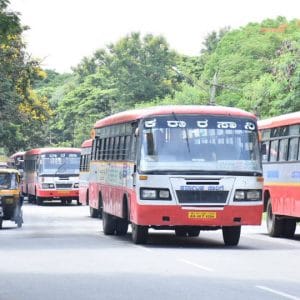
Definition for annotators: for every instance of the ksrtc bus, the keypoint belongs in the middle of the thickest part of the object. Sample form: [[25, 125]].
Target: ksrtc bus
[[84, 172], [16, 161], [281, 165], [52, 174], [185, 168]]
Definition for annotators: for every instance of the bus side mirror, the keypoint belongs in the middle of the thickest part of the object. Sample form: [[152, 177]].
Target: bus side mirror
[[263, 149]]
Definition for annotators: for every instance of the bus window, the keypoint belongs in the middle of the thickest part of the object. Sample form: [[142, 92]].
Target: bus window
[[293, 149], [283, 149], [274, 150]]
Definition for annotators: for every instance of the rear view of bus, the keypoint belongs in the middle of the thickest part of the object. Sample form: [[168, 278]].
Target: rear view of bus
[[186, 168], [281, 164], [84, 171], [52, 174]]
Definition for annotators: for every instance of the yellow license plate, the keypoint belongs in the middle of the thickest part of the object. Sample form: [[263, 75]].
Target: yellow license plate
[[202, 215], [64, 192]]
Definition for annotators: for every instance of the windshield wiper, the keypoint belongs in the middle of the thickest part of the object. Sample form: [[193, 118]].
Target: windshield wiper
[[60, 167], [186, 133]]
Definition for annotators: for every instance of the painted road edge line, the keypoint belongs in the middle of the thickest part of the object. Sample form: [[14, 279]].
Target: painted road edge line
[[265, 288]]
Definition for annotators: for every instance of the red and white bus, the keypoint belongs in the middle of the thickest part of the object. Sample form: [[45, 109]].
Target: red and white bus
[[52, 174], [281, 165], [185, 168], [84, 171], [17, 161]]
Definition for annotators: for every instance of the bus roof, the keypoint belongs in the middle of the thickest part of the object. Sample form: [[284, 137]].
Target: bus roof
[[87, 143], [132, 115], [283, 120], [51, 150], [20, 153]]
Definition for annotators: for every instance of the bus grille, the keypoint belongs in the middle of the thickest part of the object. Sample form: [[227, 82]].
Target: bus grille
[[64, 185], [199, 197]]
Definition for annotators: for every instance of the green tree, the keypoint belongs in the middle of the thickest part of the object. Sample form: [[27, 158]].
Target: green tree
[[19, 104]]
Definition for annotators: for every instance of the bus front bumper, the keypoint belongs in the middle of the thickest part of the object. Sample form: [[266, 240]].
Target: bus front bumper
[[58, 193], [231, 215]]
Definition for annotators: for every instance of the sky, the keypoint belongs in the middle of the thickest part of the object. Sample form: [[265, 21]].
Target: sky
[[62, 32]]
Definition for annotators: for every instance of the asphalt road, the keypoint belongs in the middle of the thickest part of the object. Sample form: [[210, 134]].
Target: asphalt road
[[61, 253]]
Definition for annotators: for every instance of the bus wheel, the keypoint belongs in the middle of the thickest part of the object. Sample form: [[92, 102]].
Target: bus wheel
[[139, 234], [231, 235], [109, 224], [69, 201], [1, 221], [100, 206], [121, 226], [38, 200], [30, 198], [274, 224], [94, 212], [289, 228]]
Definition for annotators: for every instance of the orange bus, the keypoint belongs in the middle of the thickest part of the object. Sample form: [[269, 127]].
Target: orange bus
[[281, 165], [84, 172], [184, 168], [52, 174]]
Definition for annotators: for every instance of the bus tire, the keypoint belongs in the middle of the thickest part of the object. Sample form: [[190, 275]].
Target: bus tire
[[38, 200], [231, 235], [100, 206], [139, 234], [289, 228], [274, 224], [94, 212], [121, 226], [109, 224], [1, 221]]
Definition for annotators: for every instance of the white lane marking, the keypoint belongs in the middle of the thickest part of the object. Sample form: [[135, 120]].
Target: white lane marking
[[196, 265], [277, 292]]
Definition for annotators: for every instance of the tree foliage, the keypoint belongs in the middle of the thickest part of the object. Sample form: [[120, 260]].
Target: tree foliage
[[257, 68], [19, 104]]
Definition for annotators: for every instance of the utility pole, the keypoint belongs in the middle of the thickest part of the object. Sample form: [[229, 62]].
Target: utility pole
[[213, 85], [213, 90]]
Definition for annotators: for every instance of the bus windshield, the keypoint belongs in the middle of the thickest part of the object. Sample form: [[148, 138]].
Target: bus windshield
[[199, 143], [8, 181], [59, 163]]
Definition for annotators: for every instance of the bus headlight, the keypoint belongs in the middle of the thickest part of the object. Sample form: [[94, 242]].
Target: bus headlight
[[148, 194], [247, 195], [154, 194], [164, 194], [254, 195], [47, 186], [239, 195]]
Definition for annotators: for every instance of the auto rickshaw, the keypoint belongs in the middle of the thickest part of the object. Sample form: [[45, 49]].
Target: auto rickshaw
[[10, 197]]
